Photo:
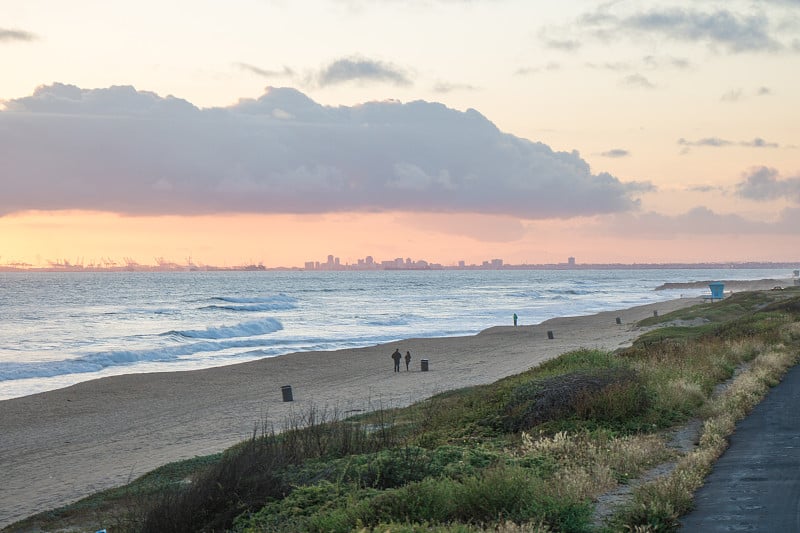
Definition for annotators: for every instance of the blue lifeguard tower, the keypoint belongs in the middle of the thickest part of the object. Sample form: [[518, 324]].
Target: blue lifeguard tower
[[717, 291]]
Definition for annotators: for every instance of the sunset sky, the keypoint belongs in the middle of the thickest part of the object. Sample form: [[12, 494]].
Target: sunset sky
[[280, 132]]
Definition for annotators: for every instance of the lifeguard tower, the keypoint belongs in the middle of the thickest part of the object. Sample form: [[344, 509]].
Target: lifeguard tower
[[717, 291]]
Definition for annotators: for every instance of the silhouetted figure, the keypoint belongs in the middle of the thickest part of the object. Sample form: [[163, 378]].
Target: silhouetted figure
[[408, 359], [397, 356], [515, 319]]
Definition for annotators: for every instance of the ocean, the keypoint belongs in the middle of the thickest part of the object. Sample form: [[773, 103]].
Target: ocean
[[61, 328]]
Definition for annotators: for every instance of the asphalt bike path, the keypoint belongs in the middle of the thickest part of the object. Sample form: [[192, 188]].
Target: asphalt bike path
[[755, 485]]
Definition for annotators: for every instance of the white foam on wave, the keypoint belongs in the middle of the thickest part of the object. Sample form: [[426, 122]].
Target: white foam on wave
[[244, 329]]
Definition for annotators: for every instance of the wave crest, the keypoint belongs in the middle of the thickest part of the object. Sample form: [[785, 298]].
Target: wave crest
[[244, 329]]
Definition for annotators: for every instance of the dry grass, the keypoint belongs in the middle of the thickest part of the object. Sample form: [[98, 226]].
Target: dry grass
[[678, 394], [591, 464]]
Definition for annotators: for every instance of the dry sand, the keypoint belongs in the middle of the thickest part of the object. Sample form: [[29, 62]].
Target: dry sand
[[57, 447]]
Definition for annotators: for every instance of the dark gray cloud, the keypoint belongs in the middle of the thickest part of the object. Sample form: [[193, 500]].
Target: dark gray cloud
[[361, 69], [716, 142], [134, 152], [7, 35], [616, 152], [765, 184], [721, 29], [285, 72]]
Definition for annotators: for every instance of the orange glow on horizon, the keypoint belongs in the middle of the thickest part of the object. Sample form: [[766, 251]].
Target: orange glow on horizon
[[91, 238]]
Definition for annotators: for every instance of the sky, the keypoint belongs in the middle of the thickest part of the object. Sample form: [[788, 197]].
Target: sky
[[277, 132]]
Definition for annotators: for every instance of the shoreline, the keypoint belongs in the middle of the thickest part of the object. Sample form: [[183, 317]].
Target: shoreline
[[59, 446]]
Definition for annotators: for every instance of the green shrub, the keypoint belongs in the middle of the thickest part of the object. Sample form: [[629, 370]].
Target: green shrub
[[619, 401], [607, 395], [290, 512], [496, 494]]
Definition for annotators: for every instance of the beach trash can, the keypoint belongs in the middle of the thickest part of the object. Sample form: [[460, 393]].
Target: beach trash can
[[716, 290], [286, 391], [423, 365], [550, 335]]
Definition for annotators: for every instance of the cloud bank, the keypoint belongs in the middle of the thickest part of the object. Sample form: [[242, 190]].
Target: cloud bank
[[134, 152]]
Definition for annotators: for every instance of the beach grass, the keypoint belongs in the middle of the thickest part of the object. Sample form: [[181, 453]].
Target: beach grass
[[531, 452]]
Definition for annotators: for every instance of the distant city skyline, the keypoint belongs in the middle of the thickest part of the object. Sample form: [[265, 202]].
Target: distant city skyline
[[367, 263]]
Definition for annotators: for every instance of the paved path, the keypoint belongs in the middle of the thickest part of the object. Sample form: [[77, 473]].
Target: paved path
[[755, 485]]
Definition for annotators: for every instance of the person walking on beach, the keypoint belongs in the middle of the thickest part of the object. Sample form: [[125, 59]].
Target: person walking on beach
[[515, 319], [408, 359], [397, 356]]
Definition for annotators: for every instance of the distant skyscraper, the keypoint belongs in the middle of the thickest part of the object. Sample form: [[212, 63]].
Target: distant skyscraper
[[571, 261]]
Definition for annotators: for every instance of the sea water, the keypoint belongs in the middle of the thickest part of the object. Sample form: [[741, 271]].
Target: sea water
[[61, 328]]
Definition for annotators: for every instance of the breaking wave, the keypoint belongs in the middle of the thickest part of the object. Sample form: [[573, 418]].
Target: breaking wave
[[245, 329]]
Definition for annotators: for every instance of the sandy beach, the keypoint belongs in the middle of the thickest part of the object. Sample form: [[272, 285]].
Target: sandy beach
[[59, 446]]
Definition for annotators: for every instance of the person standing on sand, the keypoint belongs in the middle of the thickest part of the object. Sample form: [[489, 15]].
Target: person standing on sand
[[397, 356], [408, 359], [515, 319]]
